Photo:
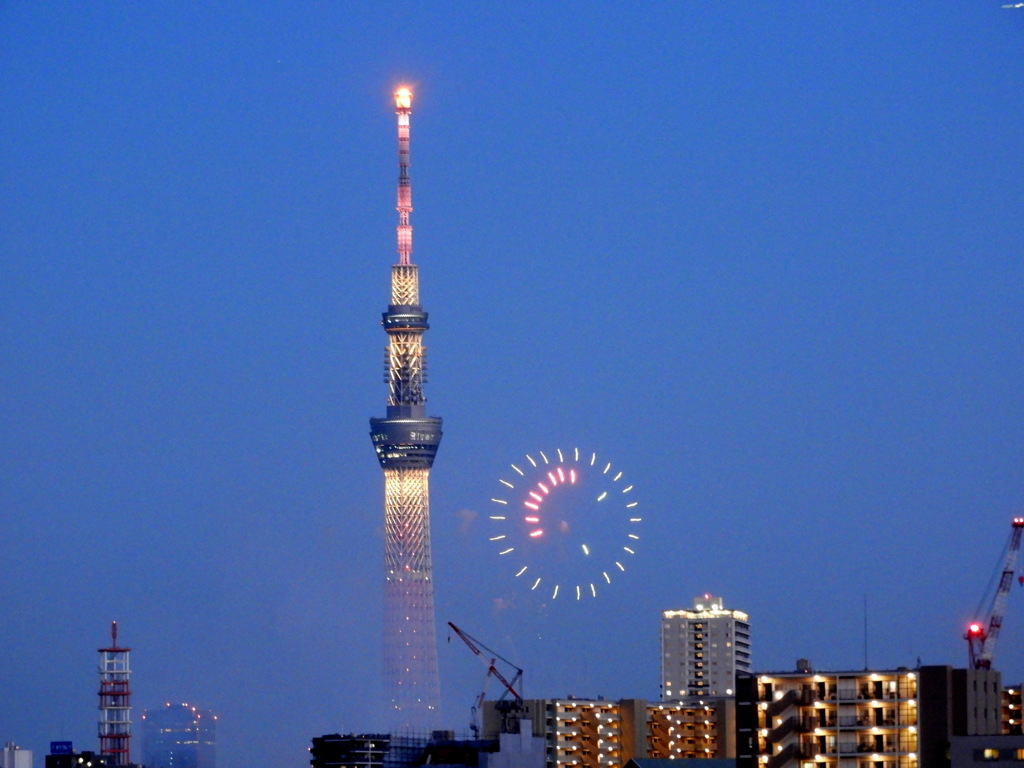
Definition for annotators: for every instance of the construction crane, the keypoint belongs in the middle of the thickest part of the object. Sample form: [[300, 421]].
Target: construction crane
[[510, 686], [982, 634]]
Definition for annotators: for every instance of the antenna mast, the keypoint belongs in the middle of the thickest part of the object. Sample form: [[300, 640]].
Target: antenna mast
[[115, 730], [403, 107]]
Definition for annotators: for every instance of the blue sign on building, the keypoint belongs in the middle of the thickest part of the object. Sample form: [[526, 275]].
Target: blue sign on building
[[60, 748]]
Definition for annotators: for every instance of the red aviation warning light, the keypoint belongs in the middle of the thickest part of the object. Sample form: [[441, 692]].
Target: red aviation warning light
[[403, 98]]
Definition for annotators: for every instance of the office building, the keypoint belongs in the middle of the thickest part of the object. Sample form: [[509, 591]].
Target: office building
[[179, 736]]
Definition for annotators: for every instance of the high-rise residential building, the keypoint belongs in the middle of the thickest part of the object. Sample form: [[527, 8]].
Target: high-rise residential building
[[14, 756], [179, 736], [406, 441], [702, 649]]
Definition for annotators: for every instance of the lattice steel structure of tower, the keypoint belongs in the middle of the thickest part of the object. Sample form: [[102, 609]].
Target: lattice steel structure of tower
[[115, 702], [406, 442]]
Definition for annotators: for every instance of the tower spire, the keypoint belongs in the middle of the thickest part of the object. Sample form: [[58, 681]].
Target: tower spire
[[406, 442], [403, 107]]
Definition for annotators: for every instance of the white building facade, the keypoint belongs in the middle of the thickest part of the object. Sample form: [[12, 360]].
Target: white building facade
[[702, 649], [14, 756]]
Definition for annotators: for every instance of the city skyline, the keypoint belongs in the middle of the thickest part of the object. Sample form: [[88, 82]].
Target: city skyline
[[766, 257]]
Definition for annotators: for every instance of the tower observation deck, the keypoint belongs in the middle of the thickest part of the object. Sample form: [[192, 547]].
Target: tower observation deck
[[406, 441]]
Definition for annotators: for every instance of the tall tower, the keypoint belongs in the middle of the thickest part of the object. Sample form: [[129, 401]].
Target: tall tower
[[406, 442], [115, 698]]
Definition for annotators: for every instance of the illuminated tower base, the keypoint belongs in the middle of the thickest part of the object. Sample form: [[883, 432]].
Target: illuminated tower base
[[410, 643]]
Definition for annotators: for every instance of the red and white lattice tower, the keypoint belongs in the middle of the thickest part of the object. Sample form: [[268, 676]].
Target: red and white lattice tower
[[115, 702], [406, 442]]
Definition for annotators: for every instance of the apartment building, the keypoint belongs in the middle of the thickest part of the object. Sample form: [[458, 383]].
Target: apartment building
[[702, 649], [596, 733], [896, 718]]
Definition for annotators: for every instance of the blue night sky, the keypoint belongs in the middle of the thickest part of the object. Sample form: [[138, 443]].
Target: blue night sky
[[766, 257]]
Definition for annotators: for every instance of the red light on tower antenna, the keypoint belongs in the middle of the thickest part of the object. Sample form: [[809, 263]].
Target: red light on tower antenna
[[974, 629]]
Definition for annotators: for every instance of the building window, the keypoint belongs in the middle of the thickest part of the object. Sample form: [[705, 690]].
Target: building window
[[1018, 754], [990, 754]]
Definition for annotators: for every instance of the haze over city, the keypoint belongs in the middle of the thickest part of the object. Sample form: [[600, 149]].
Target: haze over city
[[765, 257]]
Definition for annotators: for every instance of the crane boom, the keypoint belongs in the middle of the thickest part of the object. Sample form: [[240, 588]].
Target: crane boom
[[982, 635], [510, 686]]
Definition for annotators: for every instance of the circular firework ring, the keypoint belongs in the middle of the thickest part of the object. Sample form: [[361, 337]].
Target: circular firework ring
[[568, 521]]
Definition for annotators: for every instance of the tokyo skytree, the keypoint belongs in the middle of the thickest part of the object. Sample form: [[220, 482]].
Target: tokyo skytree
[[406, 442]]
